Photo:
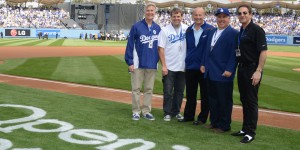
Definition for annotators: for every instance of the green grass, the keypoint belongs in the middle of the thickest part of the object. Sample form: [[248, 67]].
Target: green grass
[[58, 42], [88, 113], [279, 89], [284, 48]]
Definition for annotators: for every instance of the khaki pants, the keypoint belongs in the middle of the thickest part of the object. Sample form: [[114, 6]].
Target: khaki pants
[[139, 77]]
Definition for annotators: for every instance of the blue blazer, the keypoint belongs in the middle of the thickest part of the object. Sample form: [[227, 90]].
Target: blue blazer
[[194, 53], [222, 56]]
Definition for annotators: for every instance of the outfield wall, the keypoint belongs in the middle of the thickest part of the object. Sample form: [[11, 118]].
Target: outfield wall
[[69, 33], [33, 33]]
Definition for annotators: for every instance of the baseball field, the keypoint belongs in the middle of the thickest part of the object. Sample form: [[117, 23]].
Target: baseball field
[[40, 119]]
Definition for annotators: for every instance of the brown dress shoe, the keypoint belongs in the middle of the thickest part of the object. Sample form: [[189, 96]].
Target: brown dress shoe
[[218, 130], [209, 126]]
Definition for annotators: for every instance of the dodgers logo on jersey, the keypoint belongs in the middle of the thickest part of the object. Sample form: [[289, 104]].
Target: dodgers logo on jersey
[[154, 32], [146, 39], [174, 38]]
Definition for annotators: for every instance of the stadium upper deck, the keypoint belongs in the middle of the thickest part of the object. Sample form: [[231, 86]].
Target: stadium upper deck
[[288, 24]]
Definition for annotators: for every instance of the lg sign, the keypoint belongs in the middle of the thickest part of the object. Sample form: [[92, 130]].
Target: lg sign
[[17, 32], [13, 32]]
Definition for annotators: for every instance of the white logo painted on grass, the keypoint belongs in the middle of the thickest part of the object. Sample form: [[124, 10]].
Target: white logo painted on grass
[[67, 133]]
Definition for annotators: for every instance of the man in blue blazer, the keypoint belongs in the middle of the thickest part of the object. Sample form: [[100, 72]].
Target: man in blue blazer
[[196, 37], [219, 67]]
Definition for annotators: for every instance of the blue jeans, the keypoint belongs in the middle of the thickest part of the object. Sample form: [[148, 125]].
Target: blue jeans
[[174, 83]]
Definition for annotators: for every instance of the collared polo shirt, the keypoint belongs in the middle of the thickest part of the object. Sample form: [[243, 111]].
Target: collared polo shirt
[[251, 41]]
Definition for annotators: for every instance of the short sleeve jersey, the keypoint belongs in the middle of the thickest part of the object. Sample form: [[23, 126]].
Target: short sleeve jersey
[[251, 41], [174, 45]]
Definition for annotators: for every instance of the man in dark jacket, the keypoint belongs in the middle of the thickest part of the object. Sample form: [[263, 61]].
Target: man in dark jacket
[[196, 36]]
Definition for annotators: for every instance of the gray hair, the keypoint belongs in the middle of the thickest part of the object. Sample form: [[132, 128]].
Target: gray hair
[[148, 5]]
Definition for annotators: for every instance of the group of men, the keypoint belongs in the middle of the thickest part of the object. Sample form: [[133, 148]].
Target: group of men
[[198, 55]]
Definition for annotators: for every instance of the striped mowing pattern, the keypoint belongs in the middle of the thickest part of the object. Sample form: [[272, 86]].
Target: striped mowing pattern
[[279, 88]]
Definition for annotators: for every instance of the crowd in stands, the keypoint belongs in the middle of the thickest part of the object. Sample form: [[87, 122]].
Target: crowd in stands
[[31, 17], [102, 36], [19, 17], [272, 24]]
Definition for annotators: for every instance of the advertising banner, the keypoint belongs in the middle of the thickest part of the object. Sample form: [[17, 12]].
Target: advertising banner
[[276, 39], [17, 32], [296, 40], [51, 33]]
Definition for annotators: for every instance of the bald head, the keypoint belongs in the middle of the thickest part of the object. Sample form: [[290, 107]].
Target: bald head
[[199, 10], [198, 16]]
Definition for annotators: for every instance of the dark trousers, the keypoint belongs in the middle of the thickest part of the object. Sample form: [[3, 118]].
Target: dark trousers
[[220, 103], [194, 78], [248, 97], [174, 83]]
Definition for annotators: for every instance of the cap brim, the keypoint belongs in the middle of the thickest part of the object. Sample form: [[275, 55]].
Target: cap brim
[[221, 13]]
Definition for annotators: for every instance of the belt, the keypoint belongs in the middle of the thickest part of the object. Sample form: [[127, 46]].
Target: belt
[[248, 64]]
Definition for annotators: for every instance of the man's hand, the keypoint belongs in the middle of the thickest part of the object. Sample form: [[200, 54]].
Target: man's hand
[[131, 68], [256, 78], [202, 69], [164, 71], [226, 74]]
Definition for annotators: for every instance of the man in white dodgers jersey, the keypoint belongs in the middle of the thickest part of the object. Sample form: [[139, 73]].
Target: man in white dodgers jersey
[[172, 52], [142, 57]]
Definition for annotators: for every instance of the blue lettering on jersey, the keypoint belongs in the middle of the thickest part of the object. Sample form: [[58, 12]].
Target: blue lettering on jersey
[[174, 38]]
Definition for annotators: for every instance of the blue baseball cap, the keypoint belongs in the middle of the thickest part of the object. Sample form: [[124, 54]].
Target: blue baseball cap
[[222, 10]]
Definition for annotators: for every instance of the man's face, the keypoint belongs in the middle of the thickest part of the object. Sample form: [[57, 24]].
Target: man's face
[[222, 21], [150, 13], [244, 15], [198, 16], [176, 19]]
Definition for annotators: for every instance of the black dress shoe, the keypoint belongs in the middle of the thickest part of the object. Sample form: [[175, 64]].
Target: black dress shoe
[[239, 133], [247, 139], [198, 123], [185, 120]]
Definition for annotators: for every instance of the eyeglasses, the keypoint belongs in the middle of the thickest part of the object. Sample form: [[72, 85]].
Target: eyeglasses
[[240, 13]]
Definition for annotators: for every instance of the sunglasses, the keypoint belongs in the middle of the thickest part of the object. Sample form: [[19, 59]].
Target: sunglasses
[[240, 13]]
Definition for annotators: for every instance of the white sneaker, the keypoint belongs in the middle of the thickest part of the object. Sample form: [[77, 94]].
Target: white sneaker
[[167, 118], [179, 117], [135, 116]]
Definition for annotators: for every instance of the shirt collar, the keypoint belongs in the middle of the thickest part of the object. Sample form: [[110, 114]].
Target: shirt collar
[[248, 26], [201, 28]]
